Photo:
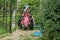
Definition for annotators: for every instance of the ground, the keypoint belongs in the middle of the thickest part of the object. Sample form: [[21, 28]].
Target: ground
[[21, 35]]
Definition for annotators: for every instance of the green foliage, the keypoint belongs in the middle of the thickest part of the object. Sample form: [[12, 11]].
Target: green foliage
[[34, 8], [51, 19], [14, 2], [2, 30], [5, 4]]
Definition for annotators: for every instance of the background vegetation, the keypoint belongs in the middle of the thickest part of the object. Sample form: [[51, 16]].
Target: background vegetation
[[34, 8], [51, 19], [5, 10], [45, 12]]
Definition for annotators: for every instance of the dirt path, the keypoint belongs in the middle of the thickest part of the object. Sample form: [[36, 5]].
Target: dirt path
[[19, 35]]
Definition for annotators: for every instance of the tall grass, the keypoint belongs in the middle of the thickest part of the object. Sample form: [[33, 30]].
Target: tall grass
[[2, 30]]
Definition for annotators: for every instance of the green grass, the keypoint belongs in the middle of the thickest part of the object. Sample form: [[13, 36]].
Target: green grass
[[36, 27], [9, 39], [2, 30]]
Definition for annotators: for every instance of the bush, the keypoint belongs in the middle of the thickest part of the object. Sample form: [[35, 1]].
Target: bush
[[51, 19]]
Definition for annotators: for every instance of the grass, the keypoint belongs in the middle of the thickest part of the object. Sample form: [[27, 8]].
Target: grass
[[29, 37], [9, 39], [36, 27], [2, 30]]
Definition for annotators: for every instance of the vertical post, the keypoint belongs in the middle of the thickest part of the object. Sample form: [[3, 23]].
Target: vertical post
[[10, 15], [6, 12], [3, 12], [14, 15]]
